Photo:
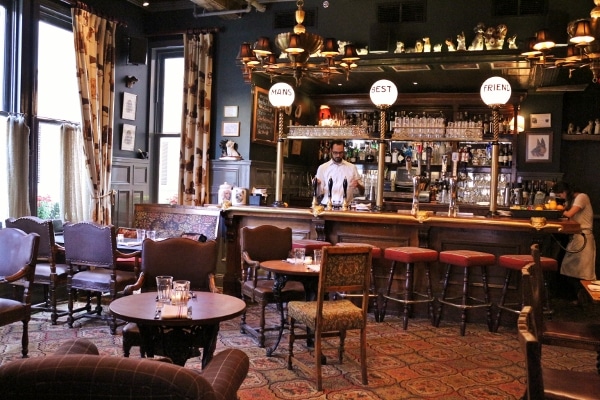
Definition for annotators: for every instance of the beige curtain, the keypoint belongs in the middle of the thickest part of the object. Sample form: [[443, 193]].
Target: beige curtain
[[74, 182], [95, 52], [17, 166], [195, 125]]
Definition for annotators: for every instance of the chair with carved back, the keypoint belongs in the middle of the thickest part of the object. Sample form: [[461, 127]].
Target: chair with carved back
[[576, 335], [343, 269], [263, 243], [91, 254], [17, 270], [181, 258], [49, 273], [548, 383]]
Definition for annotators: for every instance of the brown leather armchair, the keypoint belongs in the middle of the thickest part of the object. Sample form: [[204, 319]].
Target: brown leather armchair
[[76, 371], [180, 258], [262, 243], [91, 254], [48, 272], [19, 255]]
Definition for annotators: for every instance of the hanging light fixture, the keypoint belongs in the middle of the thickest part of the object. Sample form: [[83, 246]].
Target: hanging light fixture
[[303, 54]]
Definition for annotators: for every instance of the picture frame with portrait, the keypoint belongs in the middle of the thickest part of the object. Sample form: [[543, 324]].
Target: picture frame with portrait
[[128, 137], [129, 106]]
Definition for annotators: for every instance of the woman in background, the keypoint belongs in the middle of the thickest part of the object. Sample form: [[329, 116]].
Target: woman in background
[[579, 261]]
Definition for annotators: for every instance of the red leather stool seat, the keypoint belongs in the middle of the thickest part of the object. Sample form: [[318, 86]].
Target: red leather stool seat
[[518, 261], [309, 244], [515, 262], [410, 256], [466, 259]]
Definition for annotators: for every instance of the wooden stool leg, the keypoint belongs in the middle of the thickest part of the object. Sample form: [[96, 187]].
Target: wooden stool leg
[[465, 297], [486, 297], [444, 288], [502, 299], [408, 294], [429, 295], [388, 291]]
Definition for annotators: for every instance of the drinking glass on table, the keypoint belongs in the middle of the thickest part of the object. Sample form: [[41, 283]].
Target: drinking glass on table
[[141, 234], [164, 284], [299, 254], [151, 235], [317, 257]]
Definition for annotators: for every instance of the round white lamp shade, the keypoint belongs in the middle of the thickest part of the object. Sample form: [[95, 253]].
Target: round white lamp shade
[[383, 93], [495, 91], [281, 95]]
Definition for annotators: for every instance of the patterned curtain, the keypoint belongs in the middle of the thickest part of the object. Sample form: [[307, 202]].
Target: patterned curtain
[[95, 52], [74, 177], [17, 166], [195, 122]]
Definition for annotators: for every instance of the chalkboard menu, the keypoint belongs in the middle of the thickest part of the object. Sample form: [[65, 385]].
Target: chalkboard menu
[[264, 126]]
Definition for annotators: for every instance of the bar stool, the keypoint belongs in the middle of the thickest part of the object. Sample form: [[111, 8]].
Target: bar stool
[[516, 262], [466, 259], [409, 256], [376, 252]]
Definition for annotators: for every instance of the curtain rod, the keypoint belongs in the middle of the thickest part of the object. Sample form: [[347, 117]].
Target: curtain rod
[[56, 121], [188, 31], [10, 113], [84, 6]]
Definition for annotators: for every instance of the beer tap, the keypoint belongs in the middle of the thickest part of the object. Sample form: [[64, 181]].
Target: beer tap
[[329, 202], [315, 184], [345, 202], [416, 191], [452, 194]]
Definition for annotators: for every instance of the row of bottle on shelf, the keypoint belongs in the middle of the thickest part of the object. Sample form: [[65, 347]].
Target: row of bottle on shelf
[[468, 154], [371, 122]]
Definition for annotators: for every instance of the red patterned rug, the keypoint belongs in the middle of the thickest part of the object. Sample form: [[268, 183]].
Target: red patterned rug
[[422, 362]]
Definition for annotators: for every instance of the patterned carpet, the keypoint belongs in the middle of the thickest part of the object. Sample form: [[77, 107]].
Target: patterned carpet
[[421, 363]]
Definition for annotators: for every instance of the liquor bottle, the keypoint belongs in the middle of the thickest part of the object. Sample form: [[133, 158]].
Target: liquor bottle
[[510, 155]]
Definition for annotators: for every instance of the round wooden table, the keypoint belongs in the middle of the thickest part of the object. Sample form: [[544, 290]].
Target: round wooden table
[[179, 336], [284, 271]]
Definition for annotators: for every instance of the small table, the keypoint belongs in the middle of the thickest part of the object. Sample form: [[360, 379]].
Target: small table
[[286, 271], [179, 336], [594, 295]]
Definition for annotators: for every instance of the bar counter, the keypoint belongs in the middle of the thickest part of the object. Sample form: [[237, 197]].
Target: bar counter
[[497, 235]]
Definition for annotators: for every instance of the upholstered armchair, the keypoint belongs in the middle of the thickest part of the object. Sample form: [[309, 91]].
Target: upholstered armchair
[[17, 269], [180, 258], [49, 273], [76, 371]]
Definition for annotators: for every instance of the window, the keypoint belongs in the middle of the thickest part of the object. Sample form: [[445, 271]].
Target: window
[[169, 75], [3, 176], [56, 75]]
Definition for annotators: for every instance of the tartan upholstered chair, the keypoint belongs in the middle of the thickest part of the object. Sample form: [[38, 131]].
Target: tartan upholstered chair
[[17, 268], [76, 371], [343, 269], [49, 273]]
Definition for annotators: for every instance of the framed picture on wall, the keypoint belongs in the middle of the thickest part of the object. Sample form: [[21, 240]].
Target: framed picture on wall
[[538, 147], [231, 129], [129, 106], [128, 137]]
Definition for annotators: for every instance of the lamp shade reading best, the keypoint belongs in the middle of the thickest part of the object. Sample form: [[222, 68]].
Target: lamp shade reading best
[[383, 93]]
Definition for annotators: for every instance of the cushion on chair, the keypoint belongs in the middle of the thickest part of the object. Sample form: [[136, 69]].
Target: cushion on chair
[[42, 272], [410, 254], [518, 261], [337, 315], [466, 258]]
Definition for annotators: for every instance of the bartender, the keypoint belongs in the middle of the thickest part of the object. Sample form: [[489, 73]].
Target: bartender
[[337, 169]]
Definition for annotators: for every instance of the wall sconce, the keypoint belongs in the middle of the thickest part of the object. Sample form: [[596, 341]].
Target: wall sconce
[[130, 80]]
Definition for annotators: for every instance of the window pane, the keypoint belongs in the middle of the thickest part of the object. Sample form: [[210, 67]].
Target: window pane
[[172, 103], [168, 172], [48, 180], [3, 48]]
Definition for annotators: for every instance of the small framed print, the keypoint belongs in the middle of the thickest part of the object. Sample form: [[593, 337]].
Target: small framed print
[[230, 111], [128, 138], [296, 147], [129, 106], [540, 120], [231, 129], [538, 147]]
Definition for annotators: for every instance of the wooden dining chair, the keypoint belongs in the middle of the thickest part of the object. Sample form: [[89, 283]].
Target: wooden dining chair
[[49, 273], [343, 269], [17, 270], [263, 243], [180, 258], [91, 254], [576, 335], [547, 383]]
